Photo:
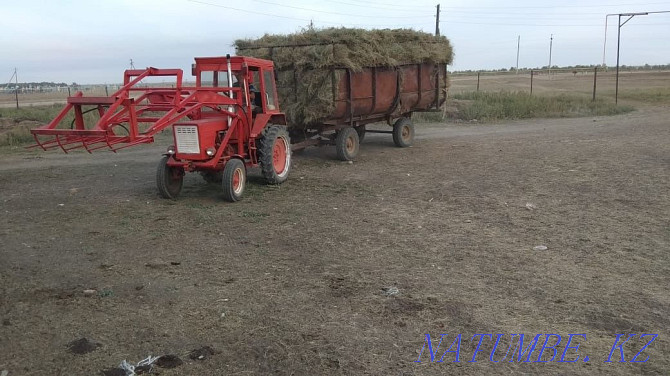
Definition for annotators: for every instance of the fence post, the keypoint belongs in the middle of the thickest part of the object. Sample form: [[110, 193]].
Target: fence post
[[595, 75], [531, 82], [478, 73], [68, 92], [106, 92]]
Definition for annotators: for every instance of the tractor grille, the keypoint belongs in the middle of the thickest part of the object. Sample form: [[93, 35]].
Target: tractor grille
[[186, 137]]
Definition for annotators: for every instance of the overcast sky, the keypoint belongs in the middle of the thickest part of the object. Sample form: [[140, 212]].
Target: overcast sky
[[92, 41]]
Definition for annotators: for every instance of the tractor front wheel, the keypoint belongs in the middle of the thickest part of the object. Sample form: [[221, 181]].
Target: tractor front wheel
[[347, 144], [169, 179], [234, 180], [403, 132], [274, 154]]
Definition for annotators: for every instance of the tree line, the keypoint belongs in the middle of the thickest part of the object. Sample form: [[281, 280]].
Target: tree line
[[574, 67]]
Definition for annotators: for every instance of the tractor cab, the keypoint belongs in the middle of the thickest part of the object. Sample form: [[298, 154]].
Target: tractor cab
[[252, 79]]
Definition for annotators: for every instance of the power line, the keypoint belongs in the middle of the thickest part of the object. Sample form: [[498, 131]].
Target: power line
[[557, 6], [336, 13], [246, 11], [524, 24], [462, 13], [519, 18], [543, 15], [299, 19], [367, 5], [395, 25]]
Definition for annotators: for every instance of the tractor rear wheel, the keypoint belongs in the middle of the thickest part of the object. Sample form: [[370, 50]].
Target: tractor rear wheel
[[274, 154], [169, 179], [347, 144], [234, 180], [403, 132]]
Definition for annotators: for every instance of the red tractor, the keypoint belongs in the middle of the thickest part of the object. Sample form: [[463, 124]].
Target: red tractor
[[228, 122]]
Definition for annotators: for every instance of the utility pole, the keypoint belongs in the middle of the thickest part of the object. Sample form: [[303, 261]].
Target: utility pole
[[132, 65], [618, 44], [437, 21], [16, 88], [605, 43], [551, 44], [619, 26], [518, 44]]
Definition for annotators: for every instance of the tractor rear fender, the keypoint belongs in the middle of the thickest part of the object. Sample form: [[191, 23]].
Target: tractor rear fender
[[262, 120]]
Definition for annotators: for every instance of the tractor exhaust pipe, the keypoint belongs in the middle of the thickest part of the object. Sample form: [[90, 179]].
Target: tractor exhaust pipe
[[230, 84]]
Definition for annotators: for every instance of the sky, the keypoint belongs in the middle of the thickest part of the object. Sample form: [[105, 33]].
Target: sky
[[93, 41]]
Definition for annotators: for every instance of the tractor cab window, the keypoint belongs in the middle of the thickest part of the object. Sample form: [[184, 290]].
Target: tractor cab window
[[207, 79], [254, 90], [214, 79], [269, 90], [255, 80]]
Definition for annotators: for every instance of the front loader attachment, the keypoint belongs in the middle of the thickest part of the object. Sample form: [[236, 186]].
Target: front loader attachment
[[130, 116], [106, 133]]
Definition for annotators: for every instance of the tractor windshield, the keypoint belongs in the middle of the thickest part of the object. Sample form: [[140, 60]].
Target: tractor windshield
[[215, 79]]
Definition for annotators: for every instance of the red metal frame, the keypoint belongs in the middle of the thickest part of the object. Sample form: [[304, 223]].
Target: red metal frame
[[124, 114], [125, 107]]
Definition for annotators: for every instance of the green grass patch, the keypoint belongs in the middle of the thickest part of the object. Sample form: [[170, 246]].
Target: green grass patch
[[428, 117], [14, 132], [656, 95], [16, 136], [493, 106], [43, 114], [15, 123]]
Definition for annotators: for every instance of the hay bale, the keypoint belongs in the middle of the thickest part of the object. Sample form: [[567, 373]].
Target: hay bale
[[306, 61]]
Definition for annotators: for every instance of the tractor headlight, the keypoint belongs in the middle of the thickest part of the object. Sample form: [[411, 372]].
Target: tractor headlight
[[210, 152], [171, 150]]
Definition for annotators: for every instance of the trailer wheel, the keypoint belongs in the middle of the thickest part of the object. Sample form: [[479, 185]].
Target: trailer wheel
[[234, 179], [403, 132], [347, 144], [169, 179], [212, 177], [274, 154], [361, 133]]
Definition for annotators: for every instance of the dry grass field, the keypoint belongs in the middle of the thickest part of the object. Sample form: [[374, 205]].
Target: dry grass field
[[345, 268], [8, 100], [646, 86], [633, 86]]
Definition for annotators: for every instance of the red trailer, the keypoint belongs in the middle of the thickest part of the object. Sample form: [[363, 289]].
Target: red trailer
[[375, 94]]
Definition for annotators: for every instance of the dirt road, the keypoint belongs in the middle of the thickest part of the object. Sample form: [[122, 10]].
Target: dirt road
[[301, 278]]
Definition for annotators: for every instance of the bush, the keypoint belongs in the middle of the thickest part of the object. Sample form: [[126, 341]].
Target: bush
[[494, 106], [42, 114], [17, 135]]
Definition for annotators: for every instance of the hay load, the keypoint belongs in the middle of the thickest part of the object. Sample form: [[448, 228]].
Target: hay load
[[306, 62]]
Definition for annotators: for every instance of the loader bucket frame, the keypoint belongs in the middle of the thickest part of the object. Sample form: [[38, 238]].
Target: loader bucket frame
[[122, 114]]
